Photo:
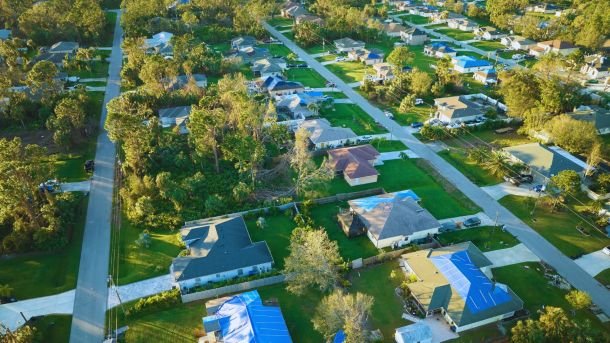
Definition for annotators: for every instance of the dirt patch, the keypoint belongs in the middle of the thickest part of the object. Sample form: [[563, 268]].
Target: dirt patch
[[41, 137]]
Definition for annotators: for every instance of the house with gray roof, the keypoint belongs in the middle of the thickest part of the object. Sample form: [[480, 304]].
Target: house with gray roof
[[348, 44], [455, 282], [266, 67], [218, 250], [244, 42], [356, 164], [63, 48], [323, 135], [543, 160], [297, 105], [461, 108], [598, 116], [393, 219], [413, 36], [199, 80], [175, 116], [250, 54]]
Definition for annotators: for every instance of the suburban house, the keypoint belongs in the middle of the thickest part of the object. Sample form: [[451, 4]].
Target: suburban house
[[268, 67], [419, 332], [468, 64], [244, 318], [293, 10], [556, 46], [543, 8], [160, 43], [462, 24], [64, 48], [348, 44], [443, 17], [413, 36], [218, 249], [250, 54], [356, 164], [424, 10], [323, 135], [598, 116], [297, 106], [383, 72], [439, 49], [488, 33], [175, 116], [243, 43], [366, 56], [462, 108], [543, 160], [181, 81], [488, 76], [277, 86], [57, 59], [454, 282], [389, 219], [596, 66], [393, 29], [5, 34], [309, 18], [517, 42]]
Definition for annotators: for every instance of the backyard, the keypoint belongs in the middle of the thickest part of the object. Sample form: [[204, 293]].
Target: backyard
[[558, 227], [352, 116], [422, 61], [486, 238], [276, 233], [308, 77], [471, 169]]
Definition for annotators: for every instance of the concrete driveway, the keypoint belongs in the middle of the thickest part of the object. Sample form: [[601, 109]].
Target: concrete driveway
[[395, 155], [501, 190], [139, 290], [594, 263], [505, 257], [82, 186], [10, 316], [485, 220]]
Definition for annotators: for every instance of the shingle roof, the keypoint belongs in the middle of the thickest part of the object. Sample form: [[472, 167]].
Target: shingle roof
[[354, 161], [456, 107], [393, 214], [322, 132], [62, 47], [600, 117], [557, 44], [542, 159], [221, 245], [348, 43], [175, 112]]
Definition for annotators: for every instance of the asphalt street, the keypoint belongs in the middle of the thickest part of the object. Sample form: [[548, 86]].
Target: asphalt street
[[530, 238], [91, 296]]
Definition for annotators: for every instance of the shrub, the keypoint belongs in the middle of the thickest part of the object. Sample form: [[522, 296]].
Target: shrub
[[154, 303]]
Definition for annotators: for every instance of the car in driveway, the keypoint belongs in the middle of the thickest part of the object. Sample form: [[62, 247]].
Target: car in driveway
[[447, 227], [417, 124], [339, 59], [472, 222], [388, 114], [606, 250]]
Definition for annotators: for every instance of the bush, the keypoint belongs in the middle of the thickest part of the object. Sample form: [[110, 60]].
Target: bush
[[154, 303]]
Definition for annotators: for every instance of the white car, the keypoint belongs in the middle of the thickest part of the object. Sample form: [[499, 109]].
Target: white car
[[606, 250], [388, 114], [339, 59], [419, 101], [518, 57]]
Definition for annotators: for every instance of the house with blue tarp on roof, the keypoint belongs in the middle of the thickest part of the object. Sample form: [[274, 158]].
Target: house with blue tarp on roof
[[468, 64], [439, 50], [244, 318], [389, 219], [455, 283]]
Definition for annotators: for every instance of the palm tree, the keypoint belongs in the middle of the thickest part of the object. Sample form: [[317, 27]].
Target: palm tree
[[496, 164], [5, 291], [314, 107]]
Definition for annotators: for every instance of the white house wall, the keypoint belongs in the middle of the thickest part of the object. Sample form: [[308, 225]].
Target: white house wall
[[202, 280]]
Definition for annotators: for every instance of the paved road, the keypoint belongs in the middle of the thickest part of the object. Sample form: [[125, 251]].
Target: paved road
[[91, 295], [530, 238]]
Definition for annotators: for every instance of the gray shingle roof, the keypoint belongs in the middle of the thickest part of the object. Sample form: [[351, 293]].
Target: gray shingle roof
[[600, 117], [322, 132], [62, 47], [542, 159]]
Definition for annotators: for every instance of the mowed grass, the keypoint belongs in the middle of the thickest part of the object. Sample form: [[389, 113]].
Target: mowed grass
[[139, 263], [416, 114], [456, 34], [280, 21], [415, 19], [349, 71], [276, 233], [384, 145], [353, 117], [438, 196], [488, 45], [471, 169], [535, 291], [46, 273], [422, 61], [276, 49], [54, 328], [97, 69], [308, 77], [486, 238], [558, 227], [604, 277]]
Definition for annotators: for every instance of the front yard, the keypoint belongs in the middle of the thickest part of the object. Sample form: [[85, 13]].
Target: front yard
[[456, 34], [308, 77], [349, 71], [471, 169], [415, 19], [277, 49], [558, 227], [353, 117], [488, 45], [486, 238]]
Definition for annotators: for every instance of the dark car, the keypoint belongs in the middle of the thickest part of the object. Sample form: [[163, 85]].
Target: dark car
[[417, 124], [526, 178], [515, 181], [472, 221], [447, 227], [89, 166]]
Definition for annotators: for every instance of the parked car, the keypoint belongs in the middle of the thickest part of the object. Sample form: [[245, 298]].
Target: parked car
[[49, 186], [388, 114], [606, 250], [512, 180], [526, 178], [339, 59], [365, 138], [89, 166], [448, 227], [417, 124], [472, 222], [419, 101], [518, 57]]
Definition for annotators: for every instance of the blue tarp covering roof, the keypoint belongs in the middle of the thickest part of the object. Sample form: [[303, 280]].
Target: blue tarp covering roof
[[370, 203], [478, 292], [244, 319], [339, 337], [314, 93], [470, 62]]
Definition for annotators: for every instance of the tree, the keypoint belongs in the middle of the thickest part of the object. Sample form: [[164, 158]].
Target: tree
[[157, 74], [5, 291], [566, 181], [527, 332], [307, 33], [555, 324], [519, 89], [68, 120], [314, 260], [496, 163], [421, 83], [573, 135], [41, 79], [25, 334], [309, 176], [407, 103], [400, 57], [579, 300], [203, 126], [347, 312]]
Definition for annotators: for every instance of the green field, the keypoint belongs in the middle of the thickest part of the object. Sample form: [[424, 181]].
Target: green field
[[471, 169], [280, 21], [421, 60], [558, 227], [438, 196], [276, 49], [416, 114], [44, 274], [456, 34], [415, 19], [352, 116], [486, 238], [276, 233], [98, 69], [384, 145], [349, 71], [308, 77], [488, 45]]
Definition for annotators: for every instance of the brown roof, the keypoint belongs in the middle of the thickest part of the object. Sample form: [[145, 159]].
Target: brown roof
[[557, 44], [354, 161]]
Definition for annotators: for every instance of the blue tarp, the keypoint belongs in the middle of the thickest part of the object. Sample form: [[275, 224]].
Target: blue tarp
[[370, 203], [478, 292], [339, 337], [470, 62], [244, 319]]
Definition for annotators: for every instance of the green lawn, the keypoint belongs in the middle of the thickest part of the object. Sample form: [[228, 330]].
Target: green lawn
[[276, 234], [326, 58], [486, 238], [488, 45], [489, 136], [277, 49], [47, 273], [108, 34], [384, 145], [415, 19], [471, 169], [98, 69], [604, 277], [557, 227], [336, 95], [438, 196], [387, 308], [314, 49], [308, 77], [54, 328], [221, 47], [421, 60], [349, 71], [456, 34], [416, 114], [280, 21], [535, 291], [352, 116], [139, 263], [350, 248]]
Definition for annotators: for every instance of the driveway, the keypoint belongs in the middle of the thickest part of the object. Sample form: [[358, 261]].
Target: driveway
[[501, 190], [567, 268], [10, 316], [594, 263], [395, 155], [91, 296], [505, 257], [139, 290], [485, 220], [82, 186]]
